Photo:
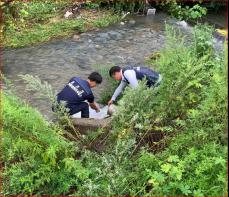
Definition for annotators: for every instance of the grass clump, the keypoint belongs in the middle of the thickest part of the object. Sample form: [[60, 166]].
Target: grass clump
[[34, 22], [37, 158]]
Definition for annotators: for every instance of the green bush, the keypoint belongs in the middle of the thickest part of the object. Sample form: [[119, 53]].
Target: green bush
[[186, 12], [37, 159], [200, 172], [191, 105]]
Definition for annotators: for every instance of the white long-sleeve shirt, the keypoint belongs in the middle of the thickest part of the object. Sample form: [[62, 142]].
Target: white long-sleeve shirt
[[130, 75]]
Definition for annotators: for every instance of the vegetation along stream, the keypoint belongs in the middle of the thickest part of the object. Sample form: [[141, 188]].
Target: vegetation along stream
[[169, 140]]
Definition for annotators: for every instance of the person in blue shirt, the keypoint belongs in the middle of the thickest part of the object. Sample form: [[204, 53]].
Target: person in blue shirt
[[130, 75], [77, 91]]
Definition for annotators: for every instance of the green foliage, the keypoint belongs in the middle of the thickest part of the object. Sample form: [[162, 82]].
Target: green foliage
[[39, 21], [37, 158], [200, 172], [133, 112], [91, 5], [45, 90], [18, 14], [108, 171], [203, 41], [184, 12]]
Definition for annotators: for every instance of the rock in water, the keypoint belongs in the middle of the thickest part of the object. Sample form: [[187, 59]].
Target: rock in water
[[76, 37], [151, 11], [132, 22], [182, 23], [114, 34]]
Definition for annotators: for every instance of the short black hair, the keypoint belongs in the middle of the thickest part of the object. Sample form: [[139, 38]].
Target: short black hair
[[114, 70], [96, 77]]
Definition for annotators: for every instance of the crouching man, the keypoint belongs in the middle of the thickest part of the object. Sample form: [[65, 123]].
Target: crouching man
[[77, 91], [130, 75]]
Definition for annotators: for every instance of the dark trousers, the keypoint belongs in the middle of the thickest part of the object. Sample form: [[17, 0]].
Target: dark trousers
[[82, 107]]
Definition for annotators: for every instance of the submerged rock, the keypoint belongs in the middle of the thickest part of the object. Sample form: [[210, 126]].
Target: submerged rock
[[114, 34], [182, 23], [76, 38], [104, 35], [132, 22]]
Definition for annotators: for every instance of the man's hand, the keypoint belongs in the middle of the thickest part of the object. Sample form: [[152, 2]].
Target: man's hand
[[110, 102], [95, 106]]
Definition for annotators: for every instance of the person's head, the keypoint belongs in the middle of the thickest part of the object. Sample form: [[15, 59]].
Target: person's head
[[116, 73], [94, 79]]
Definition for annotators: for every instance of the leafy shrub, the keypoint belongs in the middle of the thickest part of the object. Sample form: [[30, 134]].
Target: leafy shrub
[[91, 5], [191, 104], [203, 40], [37, 158], [182, 11], [200, 172], [109, 172], [186, 13]]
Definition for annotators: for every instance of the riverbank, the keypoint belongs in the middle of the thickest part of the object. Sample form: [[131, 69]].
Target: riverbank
[[39, 22]]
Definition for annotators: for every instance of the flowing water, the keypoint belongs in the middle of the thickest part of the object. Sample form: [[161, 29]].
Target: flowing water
[[59, 60]]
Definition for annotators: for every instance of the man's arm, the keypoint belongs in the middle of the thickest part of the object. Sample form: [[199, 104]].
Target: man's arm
[[118, 90]]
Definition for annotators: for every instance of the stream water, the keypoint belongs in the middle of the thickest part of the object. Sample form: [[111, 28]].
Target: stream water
[[57, 61]]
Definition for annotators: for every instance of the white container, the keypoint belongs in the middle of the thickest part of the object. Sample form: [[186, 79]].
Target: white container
[[151, 11]]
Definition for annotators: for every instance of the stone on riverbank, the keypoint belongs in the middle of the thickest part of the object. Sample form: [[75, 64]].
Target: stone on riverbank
[[89, 124]]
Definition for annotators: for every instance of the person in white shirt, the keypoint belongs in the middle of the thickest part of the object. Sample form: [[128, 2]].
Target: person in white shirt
[[130, 75]]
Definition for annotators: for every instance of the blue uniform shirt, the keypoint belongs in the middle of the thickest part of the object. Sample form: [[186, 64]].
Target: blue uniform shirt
[[77, 90]]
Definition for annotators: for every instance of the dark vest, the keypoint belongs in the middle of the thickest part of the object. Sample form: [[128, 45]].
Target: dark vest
[[141, 73], [77, 90]]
